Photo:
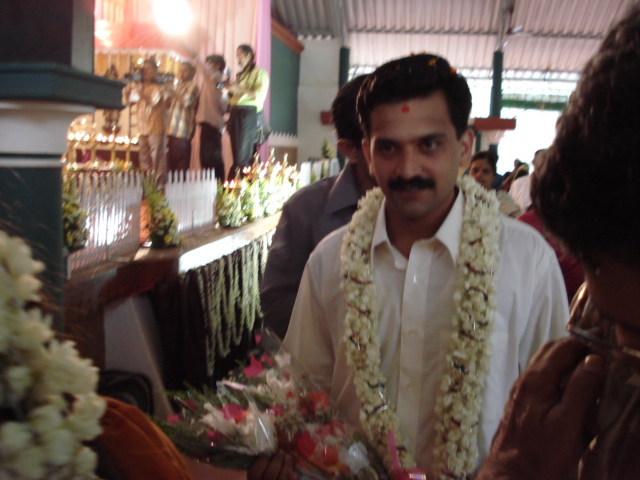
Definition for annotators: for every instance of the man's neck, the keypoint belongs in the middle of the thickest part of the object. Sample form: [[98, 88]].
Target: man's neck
[[403, 233]]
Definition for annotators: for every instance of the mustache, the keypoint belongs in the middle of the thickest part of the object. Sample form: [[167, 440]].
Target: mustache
[[413, 183]]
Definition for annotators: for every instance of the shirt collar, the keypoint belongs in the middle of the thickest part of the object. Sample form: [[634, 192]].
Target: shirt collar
[[345, 192], [448, 233]]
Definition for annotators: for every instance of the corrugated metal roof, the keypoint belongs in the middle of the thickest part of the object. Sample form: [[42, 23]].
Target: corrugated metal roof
[[539, 35]]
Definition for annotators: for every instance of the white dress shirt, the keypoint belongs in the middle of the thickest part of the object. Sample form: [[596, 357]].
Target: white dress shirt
[[415, 301], [520, 191]]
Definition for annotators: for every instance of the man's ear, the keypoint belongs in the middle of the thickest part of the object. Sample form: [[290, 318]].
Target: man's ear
[[349, 150], [466, 146], [366, 150], [345, 147]]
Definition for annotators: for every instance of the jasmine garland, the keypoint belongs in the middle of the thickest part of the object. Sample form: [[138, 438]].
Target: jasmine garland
[[47, 392], [462, 385]]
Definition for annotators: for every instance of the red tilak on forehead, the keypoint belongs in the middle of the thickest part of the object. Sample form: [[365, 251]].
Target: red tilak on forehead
[[405, 108]]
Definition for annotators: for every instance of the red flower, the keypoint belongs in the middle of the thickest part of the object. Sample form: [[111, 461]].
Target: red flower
[[258, 338], [305, 444], [173, 419], [214, 437], [276, 410], [315, 401], [330, 456], [323, 431], [233, 411], [190, 404], [254, 369]]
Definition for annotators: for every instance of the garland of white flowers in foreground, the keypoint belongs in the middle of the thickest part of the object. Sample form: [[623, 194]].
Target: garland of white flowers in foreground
[[47, 392], [459, 402]]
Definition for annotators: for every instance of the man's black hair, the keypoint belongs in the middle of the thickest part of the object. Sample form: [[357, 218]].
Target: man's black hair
[[414, 77], [217, 60], [343, 112]]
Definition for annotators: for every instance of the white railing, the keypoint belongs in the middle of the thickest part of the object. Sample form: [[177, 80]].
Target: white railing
[[112, 203], [317, 168], [192, 197]]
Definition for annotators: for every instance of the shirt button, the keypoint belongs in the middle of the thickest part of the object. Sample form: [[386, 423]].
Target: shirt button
[[415, 279], [410, 387]]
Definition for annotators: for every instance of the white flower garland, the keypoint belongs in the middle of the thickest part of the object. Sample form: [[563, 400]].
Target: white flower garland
[[459, 403], [47, 392]]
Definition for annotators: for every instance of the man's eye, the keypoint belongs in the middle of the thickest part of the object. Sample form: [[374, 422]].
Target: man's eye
[[429, 144], [384, 147]]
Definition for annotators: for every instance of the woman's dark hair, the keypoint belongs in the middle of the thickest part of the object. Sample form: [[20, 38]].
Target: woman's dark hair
[[247, 50], [414, 77], [343, 111], [588, 190], [489, 156]]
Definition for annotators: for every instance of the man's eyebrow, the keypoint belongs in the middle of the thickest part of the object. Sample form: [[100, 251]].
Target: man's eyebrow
[[433, 136], [423, 138]]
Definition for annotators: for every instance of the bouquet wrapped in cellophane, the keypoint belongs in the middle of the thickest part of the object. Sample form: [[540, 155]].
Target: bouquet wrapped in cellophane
[[264, 407]]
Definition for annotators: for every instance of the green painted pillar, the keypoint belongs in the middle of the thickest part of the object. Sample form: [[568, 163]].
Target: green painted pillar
[[343, 77], [496, 87], [46, 81], [343, 74], [496, 91]]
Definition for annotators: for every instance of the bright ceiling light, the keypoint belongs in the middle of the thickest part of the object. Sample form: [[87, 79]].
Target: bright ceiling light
[[172, 16]]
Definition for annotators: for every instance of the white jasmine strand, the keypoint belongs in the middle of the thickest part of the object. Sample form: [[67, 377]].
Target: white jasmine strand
[[459, 401]]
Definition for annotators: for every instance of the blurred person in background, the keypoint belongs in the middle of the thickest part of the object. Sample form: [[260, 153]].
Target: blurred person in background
[[247, 96], [181, 125], [483, 169]]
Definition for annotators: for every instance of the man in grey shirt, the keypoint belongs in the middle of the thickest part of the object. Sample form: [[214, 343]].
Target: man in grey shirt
[[313, 212]]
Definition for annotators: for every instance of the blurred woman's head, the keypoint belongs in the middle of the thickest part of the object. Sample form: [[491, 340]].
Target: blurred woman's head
[[588, 190], [483, 168], [245, 56]]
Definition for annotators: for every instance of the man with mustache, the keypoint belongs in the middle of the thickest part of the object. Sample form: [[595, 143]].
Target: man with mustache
[[419, 315]]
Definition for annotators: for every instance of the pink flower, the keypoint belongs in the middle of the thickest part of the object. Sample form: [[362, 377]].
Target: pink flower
[[233, 411], [173, 419], [265, 358], [254, 369]]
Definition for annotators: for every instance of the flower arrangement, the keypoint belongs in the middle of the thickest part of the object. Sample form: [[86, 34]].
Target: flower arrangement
[[48, 404], [326, 150], [459, 401], [74, 219], [262, 191], [266, 406], [162, 222], [228, 206]]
